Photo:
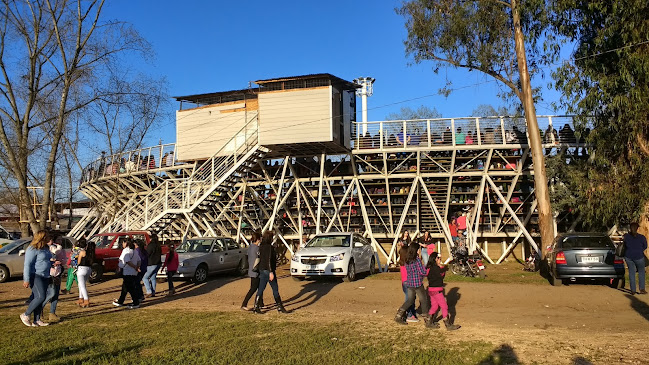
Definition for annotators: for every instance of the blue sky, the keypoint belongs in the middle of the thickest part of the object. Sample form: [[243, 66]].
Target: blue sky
[[207, 46]]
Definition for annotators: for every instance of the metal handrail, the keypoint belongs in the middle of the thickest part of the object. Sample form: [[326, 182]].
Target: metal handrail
[[188, 192], [141, 159], [464, 132]]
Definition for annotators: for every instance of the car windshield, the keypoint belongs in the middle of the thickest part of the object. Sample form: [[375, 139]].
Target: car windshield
[[587, 242], [102, 241], [195, 246], [329, 241], [12, 245]]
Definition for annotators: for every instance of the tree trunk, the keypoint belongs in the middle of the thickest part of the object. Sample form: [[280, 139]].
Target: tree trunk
[[644, 221], [540, 179]]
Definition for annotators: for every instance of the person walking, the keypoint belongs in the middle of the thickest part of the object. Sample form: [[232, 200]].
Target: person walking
[[53, 289], [171, 263], [86, 257], [415, 272], [129, 262], [144, 263], [38, 262], [267, 266], [411, 313], [436, 273], [253, 272], [73, 263], [154, 252], [635, 244]]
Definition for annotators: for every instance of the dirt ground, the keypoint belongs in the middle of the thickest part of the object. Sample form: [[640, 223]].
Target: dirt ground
[[526, 322]]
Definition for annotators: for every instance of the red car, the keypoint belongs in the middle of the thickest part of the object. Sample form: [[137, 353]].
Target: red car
[[109, 248]]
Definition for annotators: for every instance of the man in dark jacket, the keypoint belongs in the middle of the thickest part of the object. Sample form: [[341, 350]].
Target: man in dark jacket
[[154, 251], [635, 244]]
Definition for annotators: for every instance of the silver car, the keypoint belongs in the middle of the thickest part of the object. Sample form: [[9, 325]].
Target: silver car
[[334, 254], [12, 256], [200, 257]]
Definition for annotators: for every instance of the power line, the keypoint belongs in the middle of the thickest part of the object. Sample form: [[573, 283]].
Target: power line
[[611, 50]]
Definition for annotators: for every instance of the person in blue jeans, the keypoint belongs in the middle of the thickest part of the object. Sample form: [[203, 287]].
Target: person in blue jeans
[[38, 262], [267, 266], [635, 244], [154, 253]]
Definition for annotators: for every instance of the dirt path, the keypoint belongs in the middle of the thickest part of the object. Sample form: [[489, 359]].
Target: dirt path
[[576, 324]]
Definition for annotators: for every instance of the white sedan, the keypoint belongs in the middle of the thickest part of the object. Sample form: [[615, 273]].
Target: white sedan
[[334, 254]]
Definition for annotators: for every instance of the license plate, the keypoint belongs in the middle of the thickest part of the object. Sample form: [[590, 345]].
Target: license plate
[[590, 259], [481, 267], [311, 267]]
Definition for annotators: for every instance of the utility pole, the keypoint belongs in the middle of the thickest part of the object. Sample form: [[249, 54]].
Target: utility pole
[[366, 90]]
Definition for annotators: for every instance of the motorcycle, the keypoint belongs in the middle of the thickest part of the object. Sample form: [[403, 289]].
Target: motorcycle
[[532, 262], [467, 265]]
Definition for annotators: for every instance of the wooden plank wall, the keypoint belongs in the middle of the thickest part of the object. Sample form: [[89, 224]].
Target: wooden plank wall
[[201, 132], [295, 116]]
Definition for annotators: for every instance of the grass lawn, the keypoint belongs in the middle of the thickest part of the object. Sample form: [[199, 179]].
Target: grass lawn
[[174, 337]]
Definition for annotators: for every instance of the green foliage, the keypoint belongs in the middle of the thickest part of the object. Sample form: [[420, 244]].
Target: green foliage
[[478, 35], [608, 87]]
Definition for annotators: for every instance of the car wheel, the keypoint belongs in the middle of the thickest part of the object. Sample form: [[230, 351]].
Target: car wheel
[[555, 282], [241, 268], [96, 273], [351, 272], [201, 274], [4, 274], [372, 266]]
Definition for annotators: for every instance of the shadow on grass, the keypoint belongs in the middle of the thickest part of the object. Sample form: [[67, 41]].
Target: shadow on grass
[[57, 353], [184, 290], [504, 354]]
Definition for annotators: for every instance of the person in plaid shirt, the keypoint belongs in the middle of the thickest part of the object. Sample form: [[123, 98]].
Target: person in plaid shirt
[[415, 272]]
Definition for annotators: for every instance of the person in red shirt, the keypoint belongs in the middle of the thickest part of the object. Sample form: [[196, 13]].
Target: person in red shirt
[[453, 228], [171, 263]]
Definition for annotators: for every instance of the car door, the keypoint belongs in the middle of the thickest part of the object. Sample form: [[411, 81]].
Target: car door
[[218, 256], [368, 252], [233, 253], [357, 253], [66, 244], [16, 261], [202, 247]]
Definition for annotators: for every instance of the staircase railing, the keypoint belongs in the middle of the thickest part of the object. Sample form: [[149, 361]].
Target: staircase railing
[[181, 195]]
